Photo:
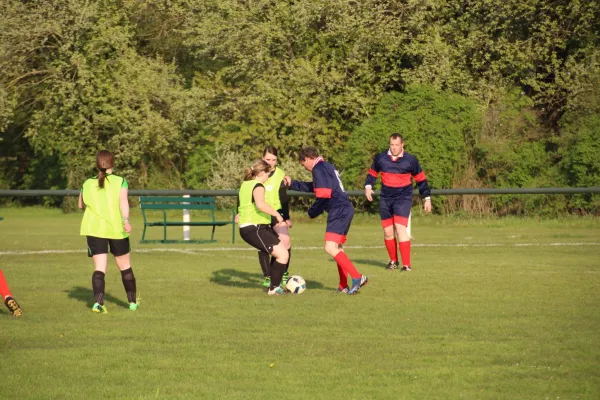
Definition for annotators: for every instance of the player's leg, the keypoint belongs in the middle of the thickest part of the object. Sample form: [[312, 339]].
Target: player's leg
[[98, 250], [387, 222], [284, 235], [264, 238], [121, 249], [8, 298], [264, 259], [401, 214], [338, 226]]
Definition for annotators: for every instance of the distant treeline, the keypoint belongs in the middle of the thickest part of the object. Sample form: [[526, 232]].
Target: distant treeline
[[187, 92]]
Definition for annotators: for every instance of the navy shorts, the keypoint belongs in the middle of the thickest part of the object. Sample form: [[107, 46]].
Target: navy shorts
[[395, 210], [117, 247], [338, 223]]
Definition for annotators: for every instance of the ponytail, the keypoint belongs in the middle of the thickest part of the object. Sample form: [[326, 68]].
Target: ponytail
[[104, 160]]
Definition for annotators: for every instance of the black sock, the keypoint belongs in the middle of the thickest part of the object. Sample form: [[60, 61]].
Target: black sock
[[98, 286], [287, 265], [265, 264], [276, 274], [129, 284]]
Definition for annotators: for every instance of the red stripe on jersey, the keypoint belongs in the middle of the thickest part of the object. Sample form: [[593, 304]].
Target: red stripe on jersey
[[395, 180], [387, 222], [400, 220], [335, 237], [373, 173], [323, 193], [420, 177]]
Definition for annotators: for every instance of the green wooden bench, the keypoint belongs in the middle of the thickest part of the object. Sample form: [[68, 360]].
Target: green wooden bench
[[164, 204]]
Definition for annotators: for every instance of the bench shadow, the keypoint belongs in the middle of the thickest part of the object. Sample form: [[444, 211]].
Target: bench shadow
[[246, 280], [86, 295], [371, 262]]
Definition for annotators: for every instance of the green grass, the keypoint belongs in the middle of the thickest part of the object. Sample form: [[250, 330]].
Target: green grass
[[494, 319]]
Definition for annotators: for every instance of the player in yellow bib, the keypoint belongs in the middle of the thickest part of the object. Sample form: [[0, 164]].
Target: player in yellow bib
[[106, 226], [276, 196], [254, 219]]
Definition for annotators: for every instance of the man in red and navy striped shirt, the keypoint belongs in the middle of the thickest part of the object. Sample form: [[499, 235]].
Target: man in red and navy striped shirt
[[397, 169], [332, 198]]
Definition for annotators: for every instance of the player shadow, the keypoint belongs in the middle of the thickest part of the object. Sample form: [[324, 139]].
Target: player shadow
[[371, 262], [247, 280], [86, 295]]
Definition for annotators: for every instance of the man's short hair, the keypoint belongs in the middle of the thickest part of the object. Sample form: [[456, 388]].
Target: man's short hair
[[397, 136], [307, 152]]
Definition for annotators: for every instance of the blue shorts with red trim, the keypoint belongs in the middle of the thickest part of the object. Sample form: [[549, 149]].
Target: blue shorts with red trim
[[338, 223], [395, 210]]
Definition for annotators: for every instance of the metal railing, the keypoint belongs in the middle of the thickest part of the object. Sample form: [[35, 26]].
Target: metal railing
[[434, 192]]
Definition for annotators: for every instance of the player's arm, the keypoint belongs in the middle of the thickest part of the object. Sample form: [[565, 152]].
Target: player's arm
[[124, 206], [81, 204], [372, 178], [302, 186], [323, 187], [419, 177], [258, 194], [285, 201]]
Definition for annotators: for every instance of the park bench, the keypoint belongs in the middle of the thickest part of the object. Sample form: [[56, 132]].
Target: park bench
[[164, 204]]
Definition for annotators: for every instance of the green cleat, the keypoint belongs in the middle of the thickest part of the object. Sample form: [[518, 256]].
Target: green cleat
[[100, 309], [133, 306], [267, 281]]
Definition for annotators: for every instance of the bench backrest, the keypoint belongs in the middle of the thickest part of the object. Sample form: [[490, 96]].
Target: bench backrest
[[177, 203]]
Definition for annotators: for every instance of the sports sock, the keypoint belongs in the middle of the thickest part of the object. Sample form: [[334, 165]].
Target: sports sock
[[405, 252], [287, 265], [277, 269], [98, 286], [342, 259], [343, 277], [390, 245], [129, 284], [264, 260], [4, 290]]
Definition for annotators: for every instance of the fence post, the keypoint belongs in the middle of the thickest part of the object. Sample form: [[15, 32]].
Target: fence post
[[186, 218]]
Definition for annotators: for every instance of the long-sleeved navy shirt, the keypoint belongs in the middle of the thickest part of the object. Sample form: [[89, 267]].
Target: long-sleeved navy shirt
[[396, 175]]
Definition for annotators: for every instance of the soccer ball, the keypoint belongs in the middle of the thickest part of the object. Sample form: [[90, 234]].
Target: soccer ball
[[295, 284]]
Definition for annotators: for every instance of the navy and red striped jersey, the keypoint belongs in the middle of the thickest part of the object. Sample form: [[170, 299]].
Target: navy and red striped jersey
[[396, 175], [327, 187]]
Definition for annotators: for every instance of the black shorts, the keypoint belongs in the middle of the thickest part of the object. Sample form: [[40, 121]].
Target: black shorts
[[262, 237], [118, 247]]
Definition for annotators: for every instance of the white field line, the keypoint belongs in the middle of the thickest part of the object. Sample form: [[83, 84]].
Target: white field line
[[196, 251]]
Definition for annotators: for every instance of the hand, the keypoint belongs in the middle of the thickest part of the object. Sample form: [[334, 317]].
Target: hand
[[427, 205], [287, 180], [369, 193], [289, 223], [237, 218], [279, 219], [127, 227]]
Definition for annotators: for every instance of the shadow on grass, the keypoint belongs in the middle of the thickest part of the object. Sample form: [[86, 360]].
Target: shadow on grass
[[247, 280], [86, 295], [371, 262]]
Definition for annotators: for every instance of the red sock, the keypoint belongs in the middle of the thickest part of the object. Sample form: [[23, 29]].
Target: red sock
[[343, 261], [405, 252], [390, 245], [4, 290], [343, 277]]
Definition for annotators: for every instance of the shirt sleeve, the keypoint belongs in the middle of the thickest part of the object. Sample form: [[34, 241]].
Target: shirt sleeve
[[124, 185], [285, 201], [323, 187], [302, 186], [373, 172], [419, 177]]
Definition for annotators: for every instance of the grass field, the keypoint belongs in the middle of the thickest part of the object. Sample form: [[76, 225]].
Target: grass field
[[493, 309]]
